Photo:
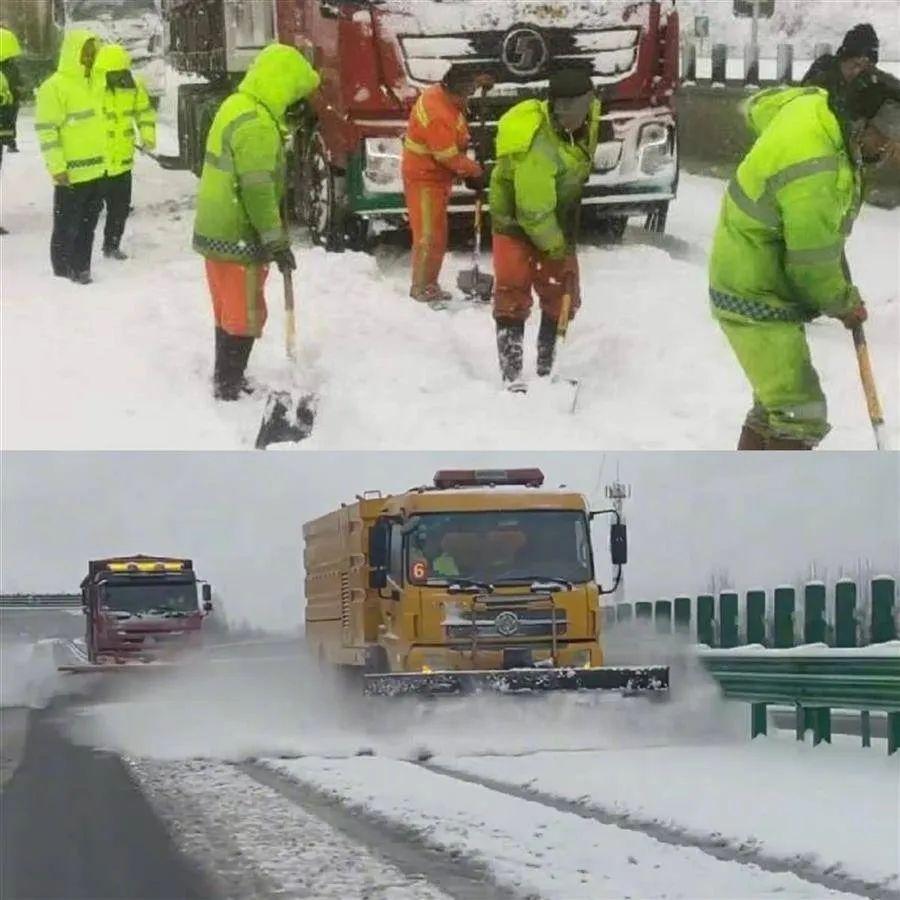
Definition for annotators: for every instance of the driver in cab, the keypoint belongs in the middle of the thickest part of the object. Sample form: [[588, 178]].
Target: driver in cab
[[426, 550]]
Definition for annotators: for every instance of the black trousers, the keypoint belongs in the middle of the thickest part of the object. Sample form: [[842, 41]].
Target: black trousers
[[76, 210], [117, 196]]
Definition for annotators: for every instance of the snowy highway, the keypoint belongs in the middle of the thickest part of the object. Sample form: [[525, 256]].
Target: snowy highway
[[125, 363], [256, 781]]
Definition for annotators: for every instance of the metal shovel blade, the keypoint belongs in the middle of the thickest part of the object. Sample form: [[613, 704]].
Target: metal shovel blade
[[286, 420], [476, 285]]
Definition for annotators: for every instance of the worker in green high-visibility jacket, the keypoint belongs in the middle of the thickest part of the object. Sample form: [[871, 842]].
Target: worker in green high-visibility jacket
[[778, 260], [72, 134]]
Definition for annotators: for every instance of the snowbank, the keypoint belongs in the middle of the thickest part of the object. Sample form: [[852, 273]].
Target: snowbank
[[834, 806]]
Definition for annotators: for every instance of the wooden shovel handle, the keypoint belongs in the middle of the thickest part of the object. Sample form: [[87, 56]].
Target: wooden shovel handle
[[565, 308], [290, 321], [866, 376]]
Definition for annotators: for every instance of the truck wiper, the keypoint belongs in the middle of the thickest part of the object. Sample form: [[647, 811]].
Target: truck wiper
[[464, 585], [537, 581]]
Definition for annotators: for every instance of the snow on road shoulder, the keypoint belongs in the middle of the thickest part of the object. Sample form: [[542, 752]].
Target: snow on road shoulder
[[125, 363], [533, 848], [835, 807], [255, 843]]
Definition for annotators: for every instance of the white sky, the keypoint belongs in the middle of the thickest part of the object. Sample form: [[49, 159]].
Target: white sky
[[762, 517]]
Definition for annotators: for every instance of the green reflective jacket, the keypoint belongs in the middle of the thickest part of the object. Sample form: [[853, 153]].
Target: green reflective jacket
[[9, 49], [69, 116], [238, 204], [778, 251], [539, 177], [125, 110]]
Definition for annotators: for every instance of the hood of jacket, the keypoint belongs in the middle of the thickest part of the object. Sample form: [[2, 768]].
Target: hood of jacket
[[111, 58], [517, 127], [9, 45], [70, 52], [279, 77]]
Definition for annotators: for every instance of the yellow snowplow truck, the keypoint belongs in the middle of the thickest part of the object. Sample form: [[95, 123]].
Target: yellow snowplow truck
[[483, 581]]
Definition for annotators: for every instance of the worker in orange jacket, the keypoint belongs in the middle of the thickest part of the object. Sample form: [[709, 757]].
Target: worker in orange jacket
[[434, 156]]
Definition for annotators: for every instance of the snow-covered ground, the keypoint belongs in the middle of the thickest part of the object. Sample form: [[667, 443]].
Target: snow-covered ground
[[531, 847], [253, 842], [125, 362], [762, 794]]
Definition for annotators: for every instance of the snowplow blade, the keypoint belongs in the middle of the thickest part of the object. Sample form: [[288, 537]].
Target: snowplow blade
[[627, 680], [118, 668]]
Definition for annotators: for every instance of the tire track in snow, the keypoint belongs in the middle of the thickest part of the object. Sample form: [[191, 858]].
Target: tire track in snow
[[718, 848], [402, 848]]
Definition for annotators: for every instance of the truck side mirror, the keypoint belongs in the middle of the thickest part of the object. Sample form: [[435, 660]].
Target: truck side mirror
[[206, 592], [618, 544], [379, 547]]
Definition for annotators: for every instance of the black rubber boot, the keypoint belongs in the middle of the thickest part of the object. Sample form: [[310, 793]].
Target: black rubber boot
[[751, 440], [546, 345], [510, 334], [232, 354]]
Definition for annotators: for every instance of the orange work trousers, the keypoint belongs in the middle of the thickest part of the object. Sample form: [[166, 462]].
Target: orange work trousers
[[238, 300], [520, 267], [426, 203]]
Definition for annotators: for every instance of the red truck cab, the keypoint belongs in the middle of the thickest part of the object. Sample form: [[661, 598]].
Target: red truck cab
[[375, 56], [142, 608]]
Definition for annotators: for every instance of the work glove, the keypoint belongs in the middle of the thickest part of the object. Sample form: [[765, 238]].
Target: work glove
[[62, 179], [857, 314], [284, 259]]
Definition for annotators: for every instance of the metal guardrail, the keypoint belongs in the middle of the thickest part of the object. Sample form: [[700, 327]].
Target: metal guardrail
[[40, 601], [814, 680]]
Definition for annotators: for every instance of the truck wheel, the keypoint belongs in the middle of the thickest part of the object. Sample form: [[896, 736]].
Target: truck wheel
[[316, 197], [656, 218], [612, 228]]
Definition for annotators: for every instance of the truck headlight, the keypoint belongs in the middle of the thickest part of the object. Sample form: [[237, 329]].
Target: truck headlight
[[382, 162], [653, 147]]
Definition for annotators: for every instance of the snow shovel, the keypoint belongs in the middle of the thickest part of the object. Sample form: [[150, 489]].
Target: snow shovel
[[876, 416], [562, 329], [287, 419], [476, 285]]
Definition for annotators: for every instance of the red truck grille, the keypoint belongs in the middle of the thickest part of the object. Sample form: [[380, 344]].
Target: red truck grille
[[524, 54]]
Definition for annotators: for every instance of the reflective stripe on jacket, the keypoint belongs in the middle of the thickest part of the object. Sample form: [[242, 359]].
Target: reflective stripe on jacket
[[537, 183], [125, 110], [239, 199], [778, 251], [69, 116], [437, 137]]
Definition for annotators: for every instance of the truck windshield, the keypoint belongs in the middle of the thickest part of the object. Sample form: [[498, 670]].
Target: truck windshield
[[85, 10], [149, 599], [497, 547]]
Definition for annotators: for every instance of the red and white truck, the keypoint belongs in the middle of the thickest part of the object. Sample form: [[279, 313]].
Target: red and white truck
[[375, 56], [141, 609]]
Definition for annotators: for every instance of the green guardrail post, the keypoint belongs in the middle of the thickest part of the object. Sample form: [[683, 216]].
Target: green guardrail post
[[865, 728], [643, 611], [728, 620], [607, 617], [893, 732], [705, 616], [758, 719], [756, 617], [814, 613], [662, 616], [883, 626], [821, 725], [683, 614], [801, 722], [623, 612], [784, 617], [845, 614]]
